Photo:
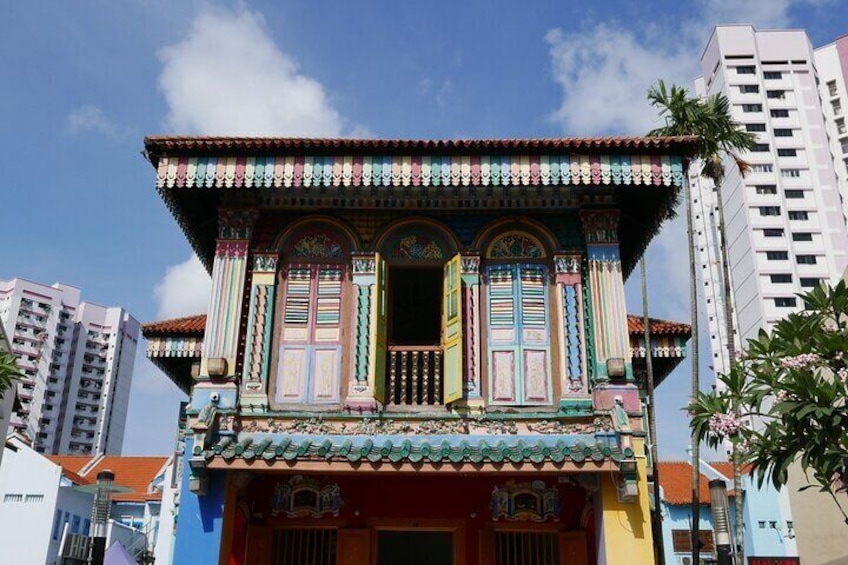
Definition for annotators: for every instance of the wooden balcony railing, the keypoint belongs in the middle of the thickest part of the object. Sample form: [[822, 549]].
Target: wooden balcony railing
[[414, 375]]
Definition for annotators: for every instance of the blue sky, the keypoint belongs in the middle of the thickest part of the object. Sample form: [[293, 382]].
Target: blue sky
[[83, 82]]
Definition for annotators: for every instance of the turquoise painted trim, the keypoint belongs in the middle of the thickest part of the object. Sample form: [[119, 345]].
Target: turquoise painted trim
[[251, 317], [363, 332], [269, 327]]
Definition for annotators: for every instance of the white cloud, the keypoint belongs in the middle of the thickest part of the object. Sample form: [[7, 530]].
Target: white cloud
[[604, 73], [184, 290], [606, 69], [228, 77], [89, 118]]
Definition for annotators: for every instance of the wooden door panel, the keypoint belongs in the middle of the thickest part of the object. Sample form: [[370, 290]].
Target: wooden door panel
[[354, 547], [573, 549], [258, 545]]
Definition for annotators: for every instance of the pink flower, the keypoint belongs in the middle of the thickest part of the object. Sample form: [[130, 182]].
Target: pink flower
[[781, 395], [802, 361], [724, 425], [839, 355], [842, 374]]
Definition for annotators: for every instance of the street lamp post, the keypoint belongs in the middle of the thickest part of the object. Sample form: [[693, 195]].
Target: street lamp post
[[103, 491], [721, 521]]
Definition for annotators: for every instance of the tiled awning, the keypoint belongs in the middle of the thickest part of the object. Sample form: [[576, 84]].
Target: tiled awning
[[435, 449]]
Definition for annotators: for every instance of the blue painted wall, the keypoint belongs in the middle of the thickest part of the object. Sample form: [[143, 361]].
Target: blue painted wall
[[201, 518]]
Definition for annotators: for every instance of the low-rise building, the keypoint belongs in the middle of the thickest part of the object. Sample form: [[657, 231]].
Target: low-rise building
[[769, 529], [41, 504]]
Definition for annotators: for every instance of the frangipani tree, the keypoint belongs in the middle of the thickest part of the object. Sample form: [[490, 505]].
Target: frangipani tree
[[785, 399]]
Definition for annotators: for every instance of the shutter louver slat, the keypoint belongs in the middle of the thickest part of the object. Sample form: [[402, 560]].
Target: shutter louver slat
[[329, 301], [297, 297], [502, 302], [533, 298]]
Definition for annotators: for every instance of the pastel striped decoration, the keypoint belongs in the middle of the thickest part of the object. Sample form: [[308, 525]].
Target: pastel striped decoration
[[329, 304], [297, 297], [533, 297], [501, 299], [418, 170]]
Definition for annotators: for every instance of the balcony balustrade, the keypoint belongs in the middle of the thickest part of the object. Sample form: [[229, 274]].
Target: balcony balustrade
[[414, 375]]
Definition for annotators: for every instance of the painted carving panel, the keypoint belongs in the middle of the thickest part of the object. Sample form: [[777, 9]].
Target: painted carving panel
[[503, 376], [291, 374]]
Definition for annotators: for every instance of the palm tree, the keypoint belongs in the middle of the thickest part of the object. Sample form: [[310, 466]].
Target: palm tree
[[9, 372], [720, 138]]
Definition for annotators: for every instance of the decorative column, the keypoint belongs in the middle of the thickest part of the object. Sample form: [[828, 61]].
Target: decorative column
[[360, 390], [572, 349], [220, 343], [470, 271], [606, 291], [260, 323]]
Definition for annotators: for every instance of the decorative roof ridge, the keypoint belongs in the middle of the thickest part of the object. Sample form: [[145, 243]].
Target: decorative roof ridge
[[157, 144]]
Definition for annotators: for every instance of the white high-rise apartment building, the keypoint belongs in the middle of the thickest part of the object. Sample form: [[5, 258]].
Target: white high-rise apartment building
[[77, 360], [785, 220], [785, 226], [832, 64]]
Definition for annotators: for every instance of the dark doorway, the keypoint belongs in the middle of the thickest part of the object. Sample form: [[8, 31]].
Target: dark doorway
[[415, 306], [414, 548]]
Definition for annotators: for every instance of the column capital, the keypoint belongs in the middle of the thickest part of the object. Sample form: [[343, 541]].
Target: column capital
[[600, 226], [364, 263], [568, 262], [236, 223], [470, 263], [265, 261]]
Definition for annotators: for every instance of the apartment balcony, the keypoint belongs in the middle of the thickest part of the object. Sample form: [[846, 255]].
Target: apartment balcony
[[414, 375]]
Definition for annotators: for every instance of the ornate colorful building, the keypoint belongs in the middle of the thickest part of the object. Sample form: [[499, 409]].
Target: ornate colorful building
[[416, 351]]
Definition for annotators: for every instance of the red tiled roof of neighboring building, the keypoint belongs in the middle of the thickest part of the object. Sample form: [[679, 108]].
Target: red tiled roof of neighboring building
[[134, 472], [676, 482], [189, 325], [726, 468], [156, 144], [635, 325]]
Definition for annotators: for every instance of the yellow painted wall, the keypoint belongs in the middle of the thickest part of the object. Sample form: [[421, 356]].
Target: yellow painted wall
[[627, 536]]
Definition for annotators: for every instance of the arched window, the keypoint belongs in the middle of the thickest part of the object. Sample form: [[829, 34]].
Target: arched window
[[519, 347], [310, 318]]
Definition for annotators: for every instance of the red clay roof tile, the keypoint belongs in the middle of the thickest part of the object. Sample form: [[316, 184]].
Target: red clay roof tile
[[189, 325], [658, 327]]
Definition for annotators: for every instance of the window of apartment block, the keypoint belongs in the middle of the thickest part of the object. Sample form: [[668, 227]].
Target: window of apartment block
[[806, 259], [773, 232], [776, 94], [682, 541], [752, 107], [781, 278], [780, 113], [777, 255], [785, 302], [790, 173], [831, 87], [837, 107], [746, 70], [749, 88], [840, 126], [762, 168], [760, 148], [782, 132], [844, 145], [799, 215], [810, 282], [772, 75], [802, 236], [794, 193], [755, 127], [766, 189], [769, 210]]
